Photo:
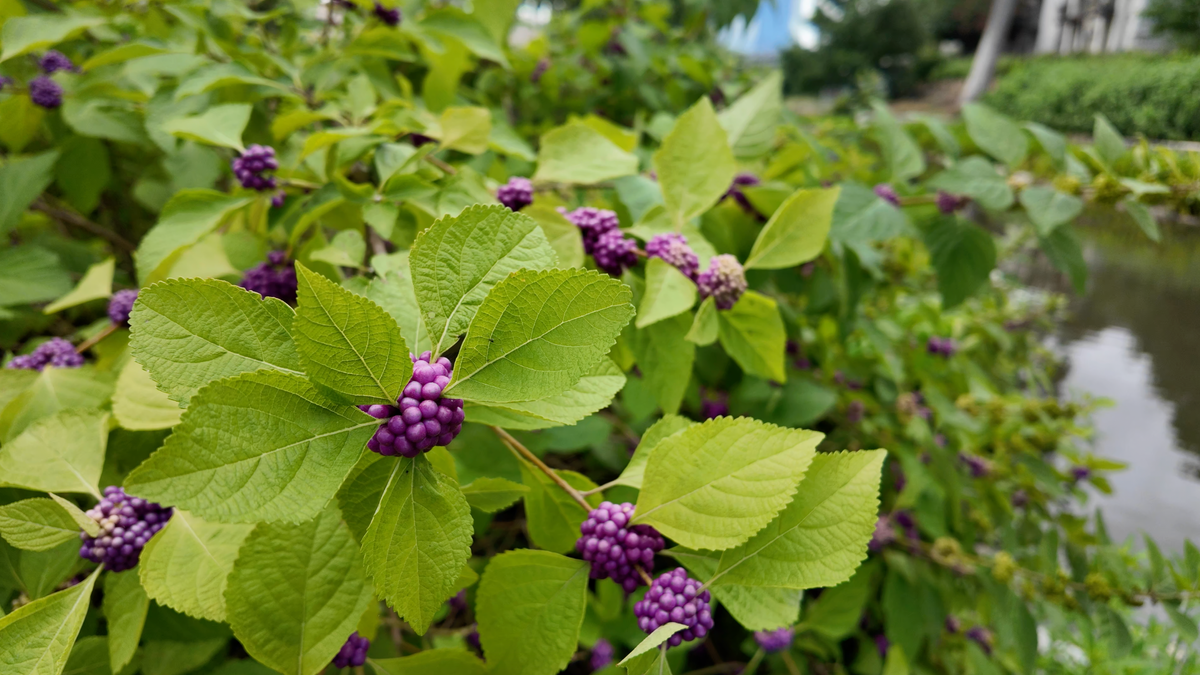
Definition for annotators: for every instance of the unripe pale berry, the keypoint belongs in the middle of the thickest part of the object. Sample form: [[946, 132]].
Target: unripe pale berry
[[675, 597], [724, 281], [126, 524], [673, 248]]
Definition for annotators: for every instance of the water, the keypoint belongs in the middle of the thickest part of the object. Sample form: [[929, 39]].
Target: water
[[1134, 337]]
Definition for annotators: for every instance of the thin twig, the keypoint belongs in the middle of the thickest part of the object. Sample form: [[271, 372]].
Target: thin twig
[[790, 663], [515, 445], [441, 165], [642, 573], [74, 219], [596, 490], [91, 342]]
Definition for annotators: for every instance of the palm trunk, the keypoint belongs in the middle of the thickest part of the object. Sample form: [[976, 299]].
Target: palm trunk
[[983, 66]]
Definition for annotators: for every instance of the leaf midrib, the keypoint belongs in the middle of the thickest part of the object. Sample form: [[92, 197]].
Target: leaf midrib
[[345, 338]]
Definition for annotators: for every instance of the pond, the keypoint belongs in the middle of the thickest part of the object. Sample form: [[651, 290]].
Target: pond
[[1134, 338]]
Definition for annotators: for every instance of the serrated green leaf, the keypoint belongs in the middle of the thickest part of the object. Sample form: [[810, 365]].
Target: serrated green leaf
[[138, 404], [24, 34], [393, 291], [36, 639], [418, 540], [705, 327], [445, 661], [903, 155], [185, 566], [125, 606], [60, 453], [653, 640], [552, 516], [82, 520], [976, 178], [650, 663], [999, 136], [36, 524], [752, 333], [493, 494], [1048, 208], [188, 333], [820, 539], [578, 154], [263, 446], [95, 284], [754, 607], [668, 292], [456, 263], [561, 233], [537, 333], [530, 607], [297, 592], [667, 426], [187, 218], [1144, 218], [797, 230], [751, 120], [348, 344], [48, 392], [963, 255], [665, 359], [30, 274], [220, 125], [716, 484], [695, 164], [590, 394]]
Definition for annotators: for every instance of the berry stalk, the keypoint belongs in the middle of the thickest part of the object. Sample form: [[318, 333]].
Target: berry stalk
[[516, 446]]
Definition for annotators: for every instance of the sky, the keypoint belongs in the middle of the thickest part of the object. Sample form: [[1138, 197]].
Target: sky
[[776, 26]]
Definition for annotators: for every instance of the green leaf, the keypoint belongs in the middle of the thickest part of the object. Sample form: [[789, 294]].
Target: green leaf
[[95, 284], [221, 75], [560, 232], [83, 171], [187, 218], [590, 394], [837, 612], [576, 153], [976, 178], [444, 661], [537, 333], [669, 292], [110, 119], [120, 54], [903, 155], [751, 120], [36, 524], [21, 181], [1066, 254], [348, 344], [36, 639], [467, 28], [901, 603], [263, 446], [1110, 144], [456, 263], [1054, 143], [60, 453], [22, 123], [694, 163], [139, 405], [188, 333], [997, 135], [1048, 208], [220, 125], [30, 274], [552, 516], [125, 606], [176, 657], [358, 498], [493, 494], [296, 592], [963, 255], [1183, 623], [466, 129], [418, 541], [716, 484], [705, 327], [393, 291], [752, 333], [754, 607], [530, 607], [667, 426], [653, 640], [796, 232], [821, 537], [24, 34], [665, 359], [185, 566], [50, 391], [1142, 215], [82, 520]]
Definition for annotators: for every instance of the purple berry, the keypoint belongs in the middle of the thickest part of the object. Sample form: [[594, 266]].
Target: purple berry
[[602, 654], [978, 466], [126, 524], [675, 597], [540, 69], [953, 625], [55, 352], [735, 191], [278, 198], [614, 547], [45, 92], [388, 15], [724, 281], [120, 305], [352, 654], [714, 404], [516, 194], [982, 637], [593, 223], [275, 278], [948, 203], [884, 535], [421, 418], [54, 61], [882, 644], [614, 253], [888, 194], [776, 640], [673, 248], [1080, 473], [250, 166]]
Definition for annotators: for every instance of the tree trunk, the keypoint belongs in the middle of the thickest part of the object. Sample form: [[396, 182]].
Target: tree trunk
[[983, 66]]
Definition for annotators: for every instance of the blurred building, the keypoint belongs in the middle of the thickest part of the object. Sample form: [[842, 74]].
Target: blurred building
[[1095, 26]]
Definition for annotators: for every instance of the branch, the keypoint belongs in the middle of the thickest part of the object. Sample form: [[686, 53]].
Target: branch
[[441, 164], [71, 218], [610, 484], [91, 342], [515, 445]]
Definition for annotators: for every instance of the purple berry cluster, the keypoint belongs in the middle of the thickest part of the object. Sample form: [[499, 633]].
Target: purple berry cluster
[[740, 181], [940, 346], [602, 654], [592, 223], [887, 193], [126, 524], [602, 238], [777, 640], [55, 352], [675, 597], [388, 15], [713, 403], [423, 419], [120, 305], [516, 194], [252, 164], [982, 637], [724, 281], [673, 248], [54, 61], [949, 203], [275, 278], [45, 92], [979, 467], [614, 547], [352, 654]]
